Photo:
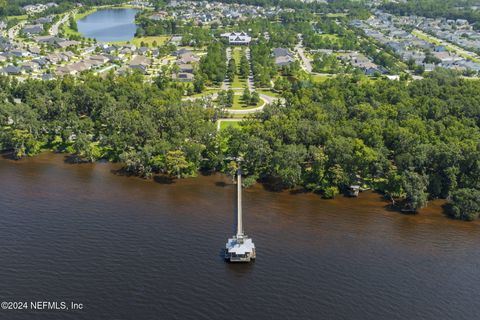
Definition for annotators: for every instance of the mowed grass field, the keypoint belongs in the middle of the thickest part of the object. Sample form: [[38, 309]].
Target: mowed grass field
[[147, 41], [239, 104], [226, 124]]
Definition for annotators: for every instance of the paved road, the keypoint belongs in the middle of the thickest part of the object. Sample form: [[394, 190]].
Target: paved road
[[13, 31], [55, 28], [306, 64], [265, 98]]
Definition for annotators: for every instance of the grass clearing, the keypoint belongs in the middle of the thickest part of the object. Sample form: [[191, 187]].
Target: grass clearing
[[81, 15], [331, 37], [204, 94], [239, 104], [237, 81], [316, 78], [19, 18], [270, 93], [226, 124], [148, 41]]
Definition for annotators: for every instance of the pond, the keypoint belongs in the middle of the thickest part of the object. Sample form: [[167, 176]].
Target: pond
[[109, 25]]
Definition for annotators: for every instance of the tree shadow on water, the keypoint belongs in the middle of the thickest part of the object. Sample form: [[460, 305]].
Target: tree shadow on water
[[74, 159], [8, 155], [221, 184], [163, 179]]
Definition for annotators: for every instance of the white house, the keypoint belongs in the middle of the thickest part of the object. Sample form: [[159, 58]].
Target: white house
[[237, 38]]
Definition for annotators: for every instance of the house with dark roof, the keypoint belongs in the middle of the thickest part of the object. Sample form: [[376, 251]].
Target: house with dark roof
[[140, 63], [283, 57], [12, 70], [33, 29]]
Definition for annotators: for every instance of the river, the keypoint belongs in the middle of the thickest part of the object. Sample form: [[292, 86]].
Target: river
[[128, 248], [109, 25]]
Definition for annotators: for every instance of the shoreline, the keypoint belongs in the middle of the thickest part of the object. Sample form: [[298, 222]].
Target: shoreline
[[434, 208], [80, 16]]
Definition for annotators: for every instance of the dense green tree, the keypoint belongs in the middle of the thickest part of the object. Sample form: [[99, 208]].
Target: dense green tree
[[465, 204], [176, 164]]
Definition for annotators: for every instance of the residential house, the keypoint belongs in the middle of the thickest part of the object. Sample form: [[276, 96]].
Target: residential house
[[185, 68], [62, 44], [32, 29], [183, 77], [44, 20], [30, 66], [187, 58], [19, 53], [140, 63], [12, 70], [237, 38], [283, 57]]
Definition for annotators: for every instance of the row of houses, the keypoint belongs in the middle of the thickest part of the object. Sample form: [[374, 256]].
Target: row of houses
[[283, 57], [206, 12], [40, 7], [383, 27], [184, 65]]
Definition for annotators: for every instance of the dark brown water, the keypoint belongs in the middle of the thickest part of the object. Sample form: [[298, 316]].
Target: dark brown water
[[133, 249]]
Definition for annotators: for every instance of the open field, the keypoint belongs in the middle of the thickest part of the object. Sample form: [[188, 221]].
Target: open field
[[204, 93], [226, 124], [19, 18], [269, 93], [148, 41]]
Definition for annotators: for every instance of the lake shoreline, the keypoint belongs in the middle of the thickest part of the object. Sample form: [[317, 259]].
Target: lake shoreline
[[110, 30]]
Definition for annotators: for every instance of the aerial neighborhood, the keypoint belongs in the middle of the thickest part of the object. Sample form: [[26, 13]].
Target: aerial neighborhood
[[46, 45]]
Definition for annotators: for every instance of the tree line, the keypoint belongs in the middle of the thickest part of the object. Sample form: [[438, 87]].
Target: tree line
[[411, 140]]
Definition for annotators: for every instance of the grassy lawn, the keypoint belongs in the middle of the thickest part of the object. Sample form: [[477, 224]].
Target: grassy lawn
[[336, 15], [204, 94], [80, 16], [319, 78], [331, 37], [270, 93], [238, 104], [161, 40], [19, 18], [237, 81], [239, 116], [67, 31], [226, 124]]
